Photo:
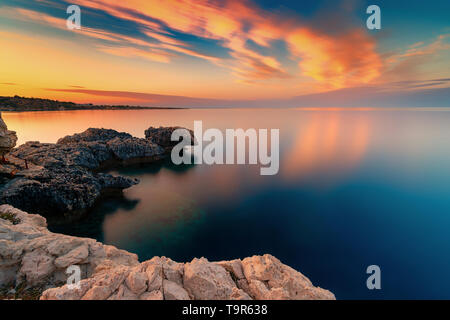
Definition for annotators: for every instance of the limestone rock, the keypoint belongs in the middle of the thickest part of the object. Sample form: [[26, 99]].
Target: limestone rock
[[75, 256], [153, 295], [269, 278], [97, 293], [234, 267], [205, 280], [31, 256], [137, 282], [238, 294], [173, 291], [155, 277], [36, 266]]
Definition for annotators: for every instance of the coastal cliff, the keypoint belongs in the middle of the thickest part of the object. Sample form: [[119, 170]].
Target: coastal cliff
[[34, 263]]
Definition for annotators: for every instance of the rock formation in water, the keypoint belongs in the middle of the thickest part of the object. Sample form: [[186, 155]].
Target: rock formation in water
[[162, 137], [63, 178], [33, 258], [8, 139]]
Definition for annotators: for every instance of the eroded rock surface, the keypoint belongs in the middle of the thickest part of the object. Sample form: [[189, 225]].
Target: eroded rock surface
[[195, 280], [162, 136], [31, 255], [198, 280]]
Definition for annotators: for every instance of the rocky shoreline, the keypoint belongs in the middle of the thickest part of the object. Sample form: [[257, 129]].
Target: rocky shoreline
[[35, 260], [64, 179]]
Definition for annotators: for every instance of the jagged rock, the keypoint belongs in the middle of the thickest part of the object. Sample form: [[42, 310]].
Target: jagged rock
[[75, 256], [234, 267], [173, 271], [269, 278], [31, 255], [154, 295], [162, 136], [89, 149], [135, 148], [94, 134], [36, 266], [137, 282], [98, 293], [205, 280], [155, 274], [174, 291], [202, 280], [50, 155], [8, 139], [123, 293]]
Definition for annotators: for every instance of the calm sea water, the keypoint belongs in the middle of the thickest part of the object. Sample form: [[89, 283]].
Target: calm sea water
[[355, 188]]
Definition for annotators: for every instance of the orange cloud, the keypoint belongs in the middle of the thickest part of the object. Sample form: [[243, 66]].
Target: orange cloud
[[325, 59], [331, 62], [335, 60]]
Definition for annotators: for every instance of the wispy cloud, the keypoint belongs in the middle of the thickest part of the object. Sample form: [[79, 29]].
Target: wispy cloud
[[321, 57], [148, 99], [232, 24], [407, 63]]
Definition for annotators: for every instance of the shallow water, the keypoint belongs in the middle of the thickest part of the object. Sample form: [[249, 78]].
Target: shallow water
[[356, 187]]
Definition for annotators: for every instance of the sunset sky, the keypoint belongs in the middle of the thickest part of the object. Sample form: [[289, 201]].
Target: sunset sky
[[227, 53]]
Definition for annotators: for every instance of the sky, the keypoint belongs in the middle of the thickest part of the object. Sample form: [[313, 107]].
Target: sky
[[228, 53]]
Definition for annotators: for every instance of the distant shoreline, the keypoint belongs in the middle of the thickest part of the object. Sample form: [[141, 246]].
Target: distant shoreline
[[23, 104], [88, 109]]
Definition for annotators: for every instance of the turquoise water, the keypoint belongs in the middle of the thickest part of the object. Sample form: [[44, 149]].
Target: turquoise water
[[355, 188]]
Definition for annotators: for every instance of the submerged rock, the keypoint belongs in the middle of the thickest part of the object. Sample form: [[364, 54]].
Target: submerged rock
[[32, 256], [62, 178]]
